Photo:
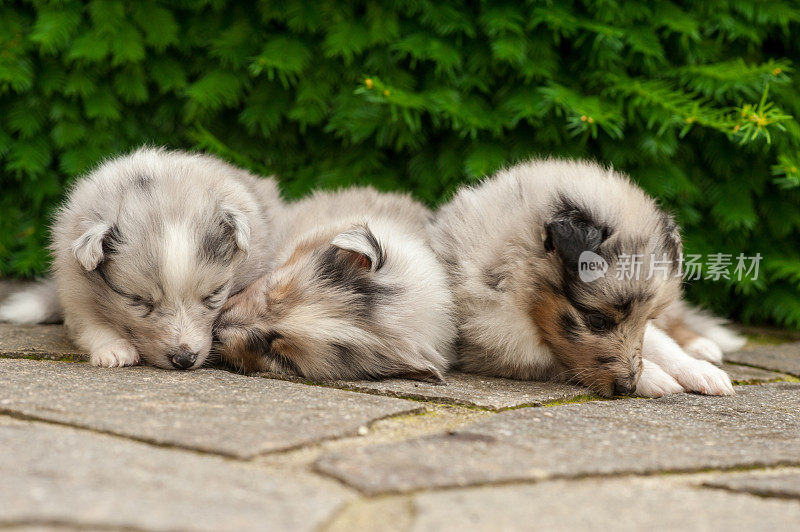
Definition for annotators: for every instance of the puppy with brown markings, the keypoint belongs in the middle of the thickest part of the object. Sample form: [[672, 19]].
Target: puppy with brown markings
[[562, 270], [357, 293]]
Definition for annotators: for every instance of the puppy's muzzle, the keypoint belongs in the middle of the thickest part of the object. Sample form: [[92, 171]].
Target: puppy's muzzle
[[183, 358], [624, 388]]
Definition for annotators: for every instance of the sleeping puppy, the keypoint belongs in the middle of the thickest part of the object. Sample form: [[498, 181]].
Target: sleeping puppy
[[357, 293], [542, 259], [146, 249]]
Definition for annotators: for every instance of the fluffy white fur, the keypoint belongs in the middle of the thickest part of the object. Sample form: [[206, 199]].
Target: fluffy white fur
[[146, 248], [37, 304]]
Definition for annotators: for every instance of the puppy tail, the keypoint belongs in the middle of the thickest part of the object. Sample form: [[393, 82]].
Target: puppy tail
[[36, 304], [713, 328]]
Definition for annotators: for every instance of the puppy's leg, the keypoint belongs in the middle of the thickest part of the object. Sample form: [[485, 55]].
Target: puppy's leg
[[106, 348], [694, 375], [703, 348], [692, 343], [654, 382]]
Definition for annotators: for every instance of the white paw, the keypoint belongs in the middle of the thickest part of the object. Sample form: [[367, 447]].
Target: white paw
[[703, 377], [654, 382], [704, 349], [115, 354]]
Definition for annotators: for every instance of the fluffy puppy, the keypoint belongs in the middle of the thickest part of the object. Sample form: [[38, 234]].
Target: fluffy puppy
[[356, 293], [146, 249], [538, 257]]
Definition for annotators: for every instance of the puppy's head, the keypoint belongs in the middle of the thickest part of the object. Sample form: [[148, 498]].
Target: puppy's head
[[332, 309], [603, 282], [160, 277]]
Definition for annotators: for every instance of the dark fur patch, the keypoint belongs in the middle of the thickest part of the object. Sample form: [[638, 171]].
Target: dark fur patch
[[343, 353], [373, 242], [492, 278], [569, 239], [260, 342], [111, 241], [143, 182], [571, 231], [567, 209], [624, 304], [219, 244], [336, 270], [449, 261], [569, 327]]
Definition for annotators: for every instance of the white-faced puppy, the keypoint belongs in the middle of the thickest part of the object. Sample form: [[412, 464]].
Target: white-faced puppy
[[356, 293], [558, 269], [145, 251]]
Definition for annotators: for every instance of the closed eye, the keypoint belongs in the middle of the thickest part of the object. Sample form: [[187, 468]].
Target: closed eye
[[605, 360], [598, 322], [147, 304]]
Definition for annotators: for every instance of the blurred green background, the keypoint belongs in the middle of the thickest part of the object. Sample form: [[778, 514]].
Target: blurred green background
[[696, 100]]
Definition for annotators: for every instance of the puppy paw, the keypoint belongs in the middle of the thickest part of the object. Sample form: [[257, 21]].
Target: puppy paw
[[704, 349], [705, 378], [115, 354], [655, 382]]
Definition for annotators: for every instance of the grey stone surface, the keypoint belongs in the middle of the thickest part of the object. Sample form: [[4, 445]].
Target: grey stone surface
[[38, 341], [781, 357], [469, 390], [767, 485], [209, 410], [760, 425], [619, 504], [51, 474], [750, 375]]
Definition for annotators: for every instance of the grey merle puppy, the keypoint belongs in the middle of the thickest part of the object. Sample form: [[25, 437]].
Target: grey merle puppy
[[514, 246], [146, 249], [356, 293]]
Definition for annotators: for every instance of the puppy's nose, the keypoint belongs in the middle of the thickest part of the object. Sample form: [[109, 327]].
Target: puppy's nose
[[624, 388], [183, 358]]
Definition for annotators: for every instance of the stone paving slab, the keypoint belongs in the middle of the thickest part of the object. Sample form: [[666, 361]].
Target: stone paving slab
[[750, 375], [465, 389], [38, 341], [50, 342], [766, 485], [209, 410], [500, 394], [619, 504], [51, 474], [760, 425], [781, 357]]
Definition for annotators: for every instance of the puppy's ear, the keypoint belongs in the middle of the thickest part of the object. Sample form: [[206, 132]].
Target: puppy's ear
[[360, 246], [93, 246], [569, 238], [229, 235], [238, 227]]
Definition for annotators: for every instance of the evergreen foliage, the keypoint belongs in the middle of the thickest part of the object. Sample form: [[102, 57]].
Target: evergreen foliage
[[694, 99]]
